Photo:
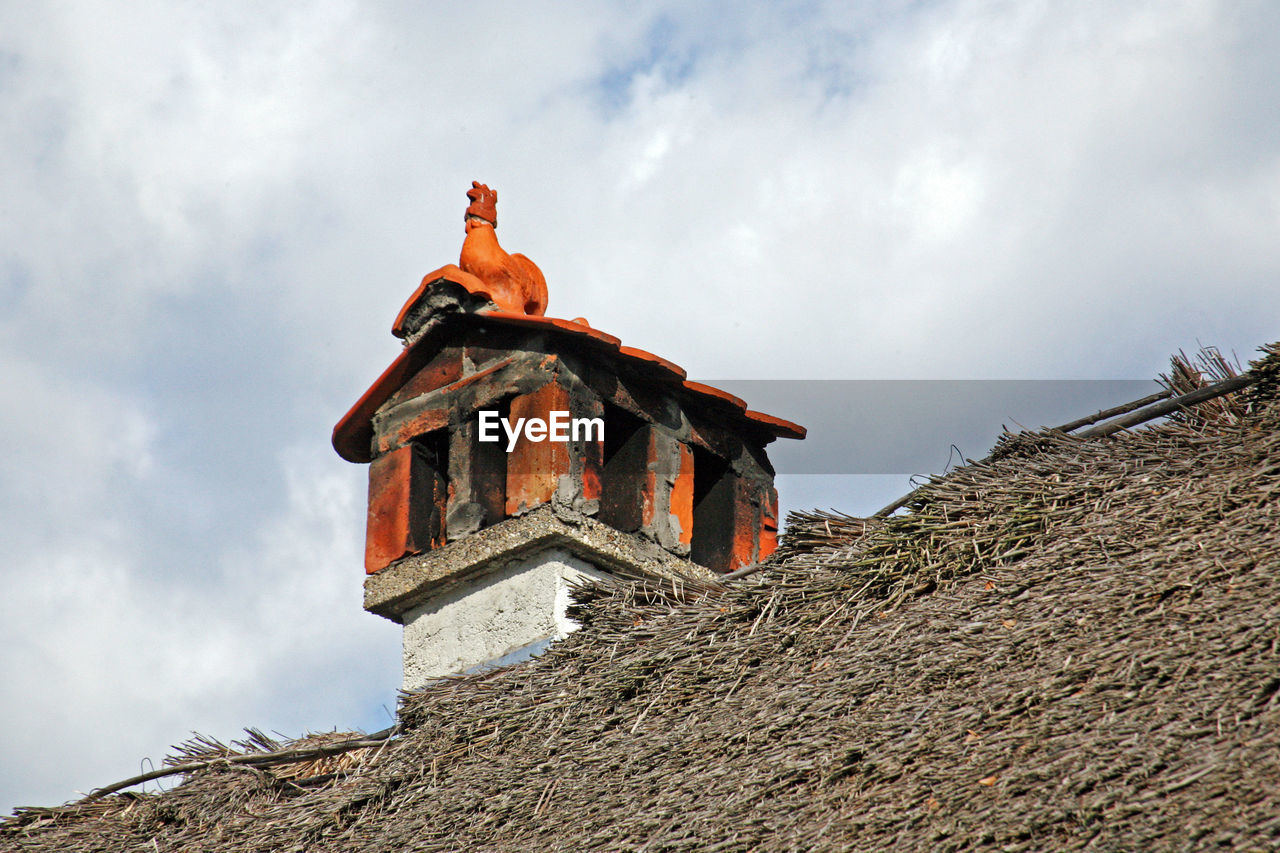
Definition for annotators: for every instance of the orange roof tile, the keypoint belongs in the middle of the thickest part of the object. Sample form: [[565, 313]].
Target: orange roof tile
[[353, 435]]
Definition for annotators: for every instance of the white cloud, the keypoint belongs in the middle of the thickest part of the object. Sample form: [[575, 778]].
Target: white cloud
[[74, 445], [106, 663], [214, 211]]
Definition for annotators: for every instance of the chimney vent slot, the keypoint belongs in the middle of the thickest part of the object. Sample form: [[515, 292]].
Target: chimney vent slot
[[713, 500], [625, 469], [429, 489]]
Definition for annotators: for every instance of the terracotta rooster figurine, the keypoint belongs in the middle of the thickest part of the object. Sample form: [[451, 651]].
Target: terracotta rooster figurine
[[512, 282]]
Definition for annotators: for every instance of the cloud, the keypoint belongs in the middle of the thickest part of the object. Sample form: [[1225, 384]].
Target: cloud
[[106, 662], [73, 446], [213, 213], [1019, 175]]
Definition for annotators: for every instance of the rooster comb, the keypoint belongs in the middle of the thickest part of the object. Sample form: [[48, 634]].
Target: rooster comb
[[484, 203]]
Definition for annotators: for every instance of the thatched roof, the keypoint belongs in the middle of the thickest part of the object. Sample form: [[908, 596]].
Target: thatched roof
[[1075, 643]]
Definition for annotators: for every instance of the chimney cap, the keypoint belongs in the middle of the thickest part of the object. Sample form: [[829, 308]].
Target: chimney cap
[[352, 436]]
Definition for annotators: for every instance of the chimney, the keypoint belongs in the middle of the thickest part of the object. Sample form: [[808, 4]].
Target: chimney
[[511, 455]]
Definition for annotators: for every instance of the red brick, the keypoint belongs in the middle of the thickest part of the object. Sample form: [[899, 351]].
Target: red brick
[[682, 494], [769, 524], [648, 496], [534, 468], [480, 375], [387, 531], [406, 508], [746, 526], [412, 427], [591, 466], [588, 456], [444, 367]]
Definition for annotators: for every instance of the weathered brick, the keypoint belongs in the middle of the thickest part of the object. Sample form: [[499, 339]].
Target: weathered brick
[[534, 468], [477, 476], [496, 345], [680, 464], [634, 396], [387, 530], [401, 430], [443, 368], [407, 497], [587, 456], [682, 495], [648, 497], [746, 525], [663, 469], [715, 437], [768, 523]]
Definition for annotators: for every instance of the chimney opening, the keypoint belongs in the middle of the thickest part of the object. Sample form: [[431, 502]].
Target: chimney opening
[[624, 469], [478, 489], [433, 448], [712, 543], [429, 488]]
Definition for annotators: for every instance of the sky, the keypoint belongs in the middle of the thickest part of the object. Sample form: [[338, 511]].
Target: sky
[[213, 211]]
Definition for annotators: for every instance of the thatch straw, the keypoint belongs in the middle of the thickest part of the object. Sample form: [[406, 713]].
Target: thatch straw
[[1070, 646]]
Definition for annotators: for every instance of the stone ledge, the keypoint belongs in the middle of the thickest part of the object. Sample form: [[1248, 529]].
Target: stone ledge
[[404, 585]]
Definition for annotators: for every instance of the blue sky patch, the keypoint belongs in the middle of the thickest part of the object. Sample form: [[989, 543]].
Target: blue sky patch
[[662, 51]]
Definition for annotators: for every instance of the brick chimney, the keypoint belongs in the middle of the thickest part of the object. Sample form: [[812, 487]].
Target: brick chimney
[[512, 455]]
